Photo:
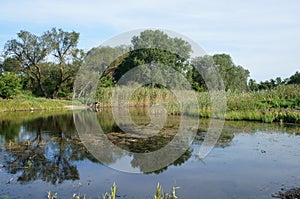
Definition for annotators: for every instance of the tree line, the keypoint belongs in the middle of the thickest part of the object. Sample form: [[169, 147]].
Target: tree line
[[47, 65], [273, 83]]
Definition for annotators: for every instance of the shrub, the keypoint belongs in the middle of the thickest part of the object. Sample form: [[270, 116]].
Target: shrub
[[10, 85]]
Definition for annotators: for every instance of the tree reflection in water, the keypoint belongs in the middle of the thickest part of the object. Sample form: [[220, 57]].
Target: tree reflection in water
[[48, 150], [48, 147]]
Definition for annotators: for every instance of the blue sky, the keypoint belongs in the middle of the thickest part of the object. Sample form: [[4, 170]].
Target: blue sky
[[261, 35]]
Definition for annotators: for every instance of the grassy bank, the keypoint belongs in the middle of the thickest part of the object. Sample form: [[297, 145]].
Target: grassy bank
[[28, 103], [281, 104]]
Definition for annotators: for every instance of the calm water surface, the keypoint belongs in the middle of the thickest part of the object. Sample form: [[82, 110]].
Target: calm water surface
[[42, 151]]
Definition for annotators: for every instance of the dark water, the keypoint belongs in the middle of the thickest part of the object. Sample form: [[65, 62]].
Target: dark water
[[42, 151]]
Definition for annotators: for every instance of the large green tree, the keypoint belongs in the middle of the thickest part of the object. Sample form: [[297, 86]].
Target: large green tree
[[234, 77], [30, 51], [31, 54], [153, 48], [99, 62], [63, 46]]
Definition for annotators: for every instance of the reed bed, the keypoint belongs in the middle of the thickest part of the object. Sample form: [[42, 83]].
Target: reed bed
[[281, 104]]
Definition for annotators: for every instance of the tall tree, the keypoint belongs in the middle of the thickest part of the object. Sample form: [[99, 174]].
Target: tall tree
[[204, 64], [234, 77], [30, 51], [63, 46], [153, 48]]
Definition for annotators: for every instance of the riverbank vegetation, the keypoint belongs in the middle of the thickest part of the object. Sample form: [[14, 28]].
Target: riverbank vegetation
[[280, 104], [29, 103], [38, 72]]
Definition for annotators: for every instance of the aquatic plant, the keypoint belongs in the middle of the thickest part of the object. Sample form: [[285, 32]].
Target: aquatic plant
[[112, 194], [161, 195]]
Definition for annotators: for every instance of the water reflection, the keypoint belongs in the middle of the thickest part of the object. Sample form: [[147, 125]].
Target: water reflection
[[9, 130], [133, 152], [46, 147]]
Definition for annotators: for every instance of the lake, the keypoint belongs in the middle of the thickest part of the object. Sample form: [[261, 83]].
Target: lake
[[43, 151]]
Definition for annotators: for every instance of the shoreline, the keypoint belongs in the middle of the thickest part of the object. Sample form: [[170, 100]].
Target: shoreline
[[276, 115]]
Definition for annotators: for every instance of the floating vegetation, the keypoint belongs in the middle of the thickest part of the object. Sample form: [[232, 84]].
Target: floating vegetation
[[293, 193]]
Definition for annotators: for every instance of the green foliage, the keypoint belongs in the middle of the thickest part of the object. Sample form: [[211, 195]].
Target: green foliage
[[63, 46], [281, 104], [252, 85], [11, 65], [106, 81], [111, 195], [10, 85], [161, 195], [140, 97], [156, 39], [151, 50], [197, 87], [201, 72], [294, 79], [29, 163], [29, 54], [29, 103], [273, 83], [234, 77], [212, 68]]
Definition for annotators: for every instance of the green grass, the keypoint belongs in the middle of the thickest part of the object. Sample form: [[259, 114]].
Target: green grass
[[281, 104], [28, 103], [23, 116]]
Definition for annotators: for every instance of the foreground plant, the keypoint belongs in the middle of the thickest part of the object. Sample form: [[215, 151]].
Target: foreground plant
[[50, 196], [161, 195], [113, 194]]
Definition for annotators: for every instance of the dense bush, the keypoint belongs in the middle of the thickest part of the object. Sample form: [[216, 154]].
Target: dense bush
[[10, 85]]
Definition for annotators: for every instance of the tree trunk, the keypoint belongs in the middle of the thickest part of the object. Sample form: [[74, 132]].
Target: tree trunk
[[38, 77], [58, 85], [55, 92], [42, 88]]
